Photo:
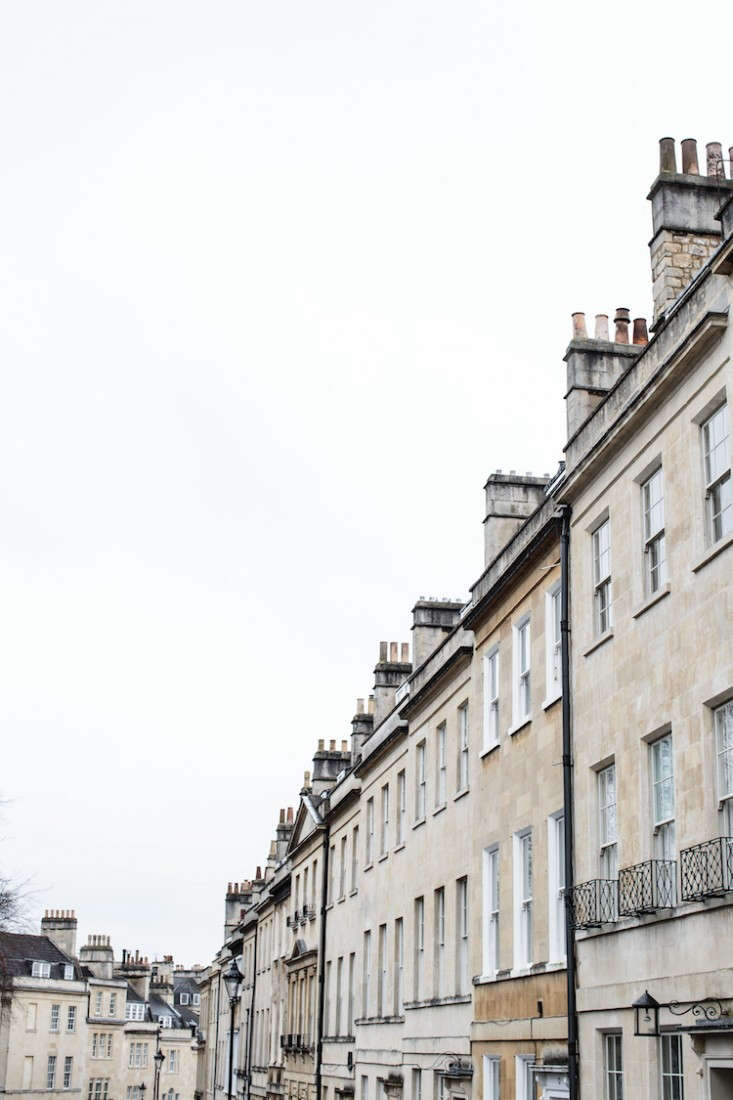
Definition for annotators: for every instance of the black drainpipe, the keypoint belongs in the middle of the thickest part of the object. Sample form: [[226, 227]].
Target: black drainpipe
[[567, 777], [322, 960], [251, 1015]]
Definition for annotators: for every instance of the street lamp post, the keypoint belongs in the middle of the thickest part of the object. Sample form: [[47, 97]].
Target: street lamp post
[[232, 978], [158, 1058]]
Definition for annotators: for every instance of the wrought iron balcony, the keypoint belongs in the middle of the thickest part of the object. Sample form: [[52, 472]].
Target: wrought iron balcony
[[647, 886], [595, 902], [706, 870]]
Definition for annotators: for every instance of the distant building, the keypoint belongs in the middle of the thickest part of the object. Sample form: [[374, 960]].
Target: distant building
[[88, 1025]]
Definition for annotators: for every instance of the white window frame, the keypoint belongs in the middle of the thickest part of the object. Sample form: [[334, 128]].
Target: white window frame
[[717, 474], [369, 854], [553, 644], [441, 766], [71, 1018], [401, 811], [184, 998], [342, 868], [384, 835], [416, 1083], [663, 824], [419, 974], [667, 1074], [602, 574], [354, 857], [723, 731], [462, 983], [420, 782], [68, 1070], [399, 966], [556, 885], [382, 971], [491, 921], [523, 899], [522, 672], [68, 972], [366, 973], [462, 775], [654, 544], [491, 698], [492, 1077], [439, 942], [613, 1065], [607, 822], [40, 969], [51, 1072], [339, 994], [54, 1018], [524, 1077]]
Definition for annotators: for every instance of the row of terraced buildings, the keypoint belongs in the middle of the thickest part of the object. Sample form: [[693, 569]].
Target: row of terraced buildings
[[514, 877]]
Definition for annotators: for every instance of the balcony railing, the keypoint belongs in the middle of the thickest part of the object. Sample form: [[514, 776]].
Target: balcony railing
[[647, 886], [595, 902], [706, 870]]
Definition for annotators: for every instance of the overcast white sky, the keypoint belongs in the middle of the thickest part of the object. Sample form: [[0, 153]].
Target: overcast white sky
[[280, 284]]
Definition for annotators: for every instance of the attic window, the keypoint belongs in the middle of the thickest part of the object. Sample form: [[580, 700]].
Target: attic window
[[197, 998], [165, 1021], [68, 972], [40, 969], [184, 998], [135, 1011]]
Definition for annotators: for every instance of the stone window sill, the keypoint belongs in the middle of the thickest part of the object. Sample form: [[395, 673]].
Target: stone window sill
[[342, 898], [400, 847], [598, 642], [438, 810], [368, 867], [380, 1019], [461, 794], [432, 1002], [713, 551], [489, 749], [519, 725], [551, 702], [417, 824], [650, 601], [353, 893], [382, 858]]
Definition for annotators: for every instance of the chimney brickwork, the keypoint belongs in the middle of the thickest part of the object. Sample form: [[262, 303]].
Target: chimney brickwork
[[686, 230]]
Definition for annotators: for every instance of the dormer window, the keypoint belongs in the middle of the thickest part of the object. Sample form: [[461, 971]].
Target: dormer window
[[40, 969], [165, 1021], [197, 998], [135, 1011], [68, 972], [184, 998]]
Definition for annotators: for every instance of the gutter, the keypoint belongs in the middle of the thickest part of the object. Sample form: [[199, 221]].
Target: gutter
[[322, 959], [567, 782]]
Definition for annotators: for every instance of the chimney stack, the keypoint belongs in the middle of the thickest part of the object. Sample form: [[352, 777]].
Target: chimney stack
[[685, 209], [388, 675], [60, 927], [431, 621], [594, 366], [510, 498], [362, 725]]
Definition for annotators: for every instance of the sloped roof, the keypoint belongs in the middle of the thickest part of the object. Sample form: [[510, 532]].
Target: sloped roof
[[18, 952]]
